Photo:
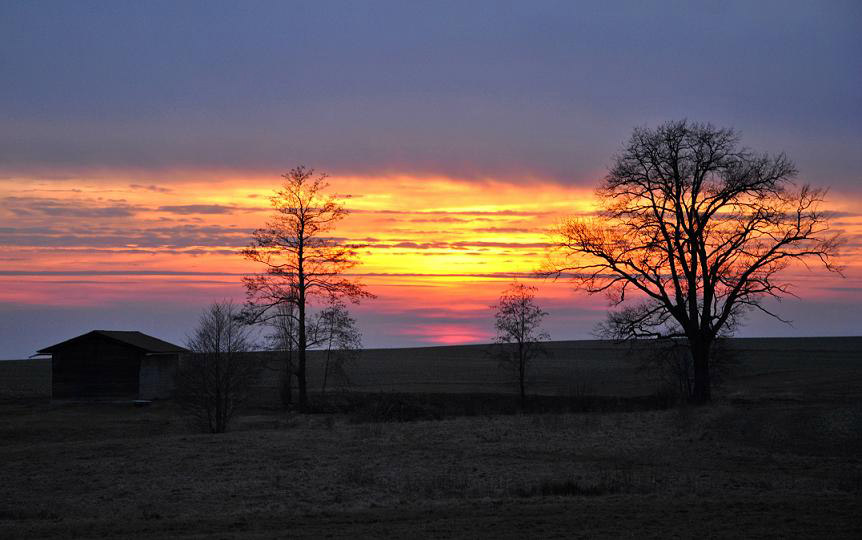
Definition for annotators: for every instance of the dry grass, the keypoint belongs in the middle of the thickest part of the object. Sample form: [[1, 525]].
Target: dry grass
[[113, 470], [778, 456]]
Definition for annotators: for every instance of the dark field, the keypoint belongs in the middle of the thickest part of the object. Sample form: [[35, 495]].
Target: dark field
[[778, 455]]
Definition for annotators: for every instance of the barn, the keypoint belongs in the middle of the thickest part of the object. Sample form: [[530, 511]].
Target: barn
[[113, 364]]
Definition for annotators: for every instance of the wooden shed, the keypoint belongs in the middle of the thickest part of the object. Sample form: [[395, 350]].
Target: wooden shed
[[113, 364]]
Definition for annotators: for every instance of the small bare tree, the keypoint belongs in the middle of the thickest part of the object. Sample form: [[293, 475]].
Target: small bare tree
[[700, 230], [518, 321], [213, 381], [341, 341], [302, 263]]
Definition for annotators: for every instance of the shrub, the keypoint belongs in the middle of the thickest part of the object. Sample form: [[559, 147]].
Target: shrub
[[214, 380], [385, 407]]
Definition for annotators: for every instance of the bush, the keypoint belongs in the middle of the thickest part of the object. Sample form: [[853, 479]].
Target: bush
[[395, 408], [670, 363], [213, 381], [402, 407], [607, 483]]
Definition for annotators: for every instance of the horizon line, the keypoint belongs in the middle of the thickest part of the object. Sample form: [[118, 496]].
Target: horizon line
[[486, 344]]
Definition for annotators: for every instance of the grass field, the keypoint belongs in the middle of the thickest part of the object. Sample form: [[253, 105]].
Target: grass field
[[778, 455]]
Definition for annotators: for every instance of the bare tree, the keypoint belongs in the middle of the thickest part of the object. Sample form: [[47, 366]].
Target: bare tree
[[336, 334], [518, 321], [213, 381], [302, 264], [699, 229]]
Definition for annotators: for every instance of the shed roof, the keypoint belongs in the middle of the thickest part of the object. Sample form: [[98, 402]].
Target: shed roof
[[134, 338]]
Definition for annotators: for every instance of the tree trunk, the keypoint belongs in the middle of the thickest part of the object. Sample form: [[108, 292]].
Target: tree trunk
[[300, 368], [290, 363], [702, 392], [303, 342]]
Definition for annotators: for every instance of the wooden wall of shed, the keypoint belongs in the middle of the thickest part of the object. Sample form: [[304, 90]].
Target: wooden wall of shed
[[96, 367]]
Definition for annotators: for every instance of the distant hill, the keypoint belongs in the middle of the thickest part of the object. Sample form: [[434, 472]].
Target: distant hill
[[598, 367], [25, 378], [781, 367]]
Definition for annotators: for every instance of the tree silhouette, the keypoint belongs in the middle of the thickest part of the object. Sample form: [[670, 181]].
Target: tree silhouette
[[700, 228], [518, 320], [214, 380], [336, 334], [302, 264]]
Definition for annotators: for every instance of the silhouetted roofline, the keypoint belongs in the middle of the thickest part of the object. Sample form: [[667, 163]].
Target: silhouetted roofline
[[133, 338]]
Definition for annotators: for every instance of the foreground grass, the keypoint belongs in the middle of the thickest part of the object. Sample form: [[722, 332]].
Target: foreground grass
[[758, 469]]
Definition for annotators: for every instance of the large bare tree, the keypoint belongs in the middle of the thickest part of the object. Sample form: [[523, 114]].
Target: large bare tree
[[700, 229], [303, 264]]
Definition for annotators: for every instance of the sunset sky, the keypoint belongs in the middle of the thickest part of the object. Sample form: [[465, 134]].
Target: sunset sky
[[139, 142]]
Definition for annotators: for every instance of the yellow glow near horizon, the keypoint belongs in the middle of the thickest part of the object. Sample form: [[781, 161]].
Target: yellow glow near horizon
[[431, 244], [409, 225]]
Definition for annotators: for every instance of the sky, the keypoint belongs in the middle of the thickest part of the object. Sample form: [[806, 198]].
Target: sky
[[139, 142]]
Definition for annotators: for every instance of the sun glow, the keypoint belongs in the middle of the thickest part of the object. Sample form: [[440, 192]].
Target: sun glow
[[435, 250]]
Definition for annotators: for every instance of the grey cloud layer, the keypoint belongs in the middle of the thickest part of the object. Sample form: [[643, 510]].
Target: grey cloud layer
[[101, 208], [38, 206], [479, 89]]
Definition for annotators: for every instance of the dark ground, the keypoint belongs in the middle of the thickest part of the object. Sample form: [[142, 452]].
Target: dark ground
[[778, 455], [766, 468]]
